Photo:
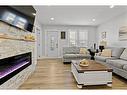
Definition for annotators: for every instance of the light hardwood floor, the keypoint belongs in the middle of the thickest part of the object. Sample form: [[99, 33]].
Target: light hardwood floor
[[53, 74]]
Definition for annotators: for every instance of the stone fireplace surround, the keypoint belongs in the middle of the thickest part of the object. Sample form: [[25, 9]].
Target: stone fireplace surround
[[13, 47]]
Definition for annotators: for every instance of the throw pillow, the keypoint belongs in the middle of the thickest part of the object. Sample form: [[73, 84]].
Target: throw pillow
[[124, 55], [83, 51], [106, 53]]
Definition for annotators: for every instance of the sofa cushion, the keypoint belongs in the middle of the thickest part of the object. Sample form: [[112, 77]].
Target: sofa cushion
[[117, 63], [82, 56], [69, 56], [101, 58], [124, 54], [70, 50], [125, 67], [116, 51]]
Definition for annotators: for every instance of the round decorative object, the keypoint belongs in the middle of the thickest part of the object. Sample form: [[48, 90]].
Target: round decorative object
[[84, 62]]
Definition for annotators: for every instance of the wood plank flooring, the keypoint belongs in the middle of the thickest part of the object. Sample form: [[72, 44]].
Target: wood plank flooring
[[53, 74]]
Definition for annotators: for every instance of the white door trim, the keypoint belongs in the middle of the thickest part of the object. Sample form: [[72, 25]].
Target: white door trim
[[38, 42]]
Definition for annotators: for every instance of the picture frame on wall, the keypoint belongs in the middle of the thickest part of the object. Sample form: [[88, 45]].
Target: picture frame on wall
[[123, 33], [63, 35], [103, 35]]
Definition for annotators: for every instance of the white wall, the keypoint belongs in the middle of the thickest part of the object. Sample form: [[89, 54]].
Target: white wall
[[112, 28], [64, 43]]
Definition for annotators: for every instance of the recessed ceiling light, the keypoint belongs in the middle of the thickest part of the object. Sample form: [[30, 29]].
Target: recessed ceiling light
[[34, 14], [51, 18], [112, 6], [93, 19]]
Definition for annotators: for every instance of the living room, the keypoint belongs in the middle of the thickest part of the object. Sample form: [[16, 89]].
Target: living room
[[80, 47], [61, 35], [102, 26]]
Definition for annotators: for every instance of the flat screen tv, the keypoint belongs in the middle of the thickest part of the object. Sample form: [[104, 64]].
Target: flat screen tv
[[19, 16]]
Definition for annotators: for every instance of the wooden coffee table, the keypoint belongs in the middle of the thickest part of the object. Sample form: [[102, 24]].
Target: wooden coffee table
[[94, 74]]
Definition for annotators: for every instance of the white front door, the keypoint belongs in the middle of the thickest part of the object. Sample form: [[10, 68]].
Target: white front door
[[52, 44]]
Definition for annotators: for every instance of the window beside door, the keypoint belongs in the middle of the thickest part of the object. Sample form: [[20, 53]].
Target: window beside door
[[72, 38], [78, 38], [83, 38]]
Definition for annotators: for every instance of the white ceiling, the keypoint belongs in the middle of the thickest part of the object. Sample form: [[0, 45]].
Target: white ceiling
[[77, 15]]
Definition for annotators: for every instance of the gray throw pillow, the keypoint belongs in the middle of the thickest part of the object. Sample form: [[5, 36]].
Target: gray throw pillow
[[124, 54], [116, 51]]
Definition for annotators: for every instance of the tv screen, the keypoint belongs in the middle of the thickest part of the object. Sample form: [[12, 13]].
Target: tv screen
[[19, 16]]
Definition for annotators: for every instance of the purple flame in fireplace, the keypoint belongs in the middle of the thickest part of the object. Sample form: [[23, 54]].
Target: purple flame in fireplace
[[11, 66], [12, 69]]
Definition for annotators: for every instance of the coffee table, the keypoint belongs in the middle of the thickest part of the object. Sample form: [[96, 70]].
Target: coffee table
[[94, 74]]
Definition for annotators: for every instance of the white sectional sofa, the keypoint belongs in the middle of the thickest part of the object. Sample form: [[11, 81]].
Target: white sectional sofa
[[73, 53], [118, 61], [116, 52]]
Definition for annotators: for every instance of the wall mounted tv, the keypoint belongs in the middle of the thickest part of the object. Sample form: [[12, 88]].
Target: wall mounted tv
[[19, 16]]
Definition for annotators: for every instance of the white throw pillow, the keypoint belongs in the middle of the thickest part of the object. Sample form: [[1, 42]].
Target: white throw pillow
[[83, 51], [106, 53]]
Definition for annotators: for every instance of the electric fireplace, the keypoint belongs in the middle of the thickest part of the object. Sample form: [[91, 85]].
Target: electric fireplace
[[11, 66]]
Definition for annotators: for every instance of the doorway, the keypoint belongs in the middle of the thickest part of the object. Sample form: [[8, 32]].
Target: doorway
[[38, 31], [52, 44]]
